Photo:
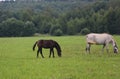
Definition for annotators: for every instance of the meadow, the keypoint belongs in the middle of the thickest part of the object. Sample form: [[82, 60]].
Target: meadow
[[18, 61]]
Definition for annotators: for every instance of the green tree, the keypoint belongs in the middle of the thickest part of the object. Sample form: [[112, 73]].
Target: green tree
[[11, 27], [29, 29], [58, 32], [71, 30], [45, 27], [113, 18], [85, 31], [26, 15], [55, 29], [63, 23]]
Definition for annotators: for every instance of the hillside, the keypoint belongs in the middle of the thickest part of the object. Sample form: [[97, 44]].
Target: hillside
[[58, 17], [40, 5]]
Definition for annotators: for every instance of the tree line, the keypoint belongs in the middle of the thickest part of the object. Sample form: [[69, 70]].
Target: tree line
[[99, 17]]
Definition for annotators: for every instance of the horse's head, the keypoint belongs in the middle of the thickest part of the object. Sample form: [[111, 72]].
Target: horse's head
[[115, 48], [59, 53], [57, 46]]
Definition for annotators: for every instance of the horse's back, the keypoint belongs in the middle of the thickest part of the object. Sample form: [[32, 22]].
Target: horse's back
[[46, 43], [95, 38], [98, 35]]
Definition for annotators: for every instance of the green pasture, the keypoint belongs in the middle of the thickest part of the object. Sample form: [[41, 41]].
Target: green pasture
[[18, 61]]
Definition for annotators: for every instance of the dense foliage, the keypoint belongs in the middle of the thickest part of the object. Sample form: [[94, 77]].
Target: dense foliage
[[59, 17]]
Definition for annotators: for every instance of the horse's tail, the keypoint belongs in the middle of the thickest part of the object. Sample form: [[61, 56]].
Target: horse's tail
[[34, 45]]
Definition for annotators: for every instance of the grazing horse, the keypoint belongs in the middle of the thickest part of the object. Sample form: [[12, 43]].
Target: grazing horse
[[47, 44], [101, 39]]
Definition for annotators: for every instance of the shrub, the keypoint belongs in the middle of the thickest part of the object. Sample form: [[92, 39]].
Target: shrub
[[85, 31], [58, 32]]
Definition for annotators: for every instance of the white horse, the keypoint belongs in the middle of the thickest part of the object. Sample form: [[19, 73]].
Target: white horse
[[101, 39]]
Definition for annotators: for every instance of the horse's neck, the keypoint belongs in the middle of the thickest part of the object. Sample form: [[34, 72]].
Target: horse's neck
[[57, 47], [113, 43]]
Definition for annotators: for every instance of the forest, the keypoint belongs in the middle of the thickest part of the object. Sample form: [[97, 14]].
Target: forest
[[58, 17]]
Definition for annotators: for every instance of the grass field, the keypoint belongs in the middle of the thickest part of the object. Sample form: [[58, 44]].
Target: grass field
[[18, 61]]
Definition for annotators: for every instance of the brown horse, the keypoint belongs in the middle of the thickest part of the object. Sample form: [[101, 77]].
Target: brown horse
[[47, 44]]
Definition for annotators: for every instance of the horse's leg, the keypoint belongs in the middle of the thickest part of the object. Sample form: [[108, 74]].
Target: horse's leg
[[53, 52], [107, 48], [41, 52], [50, 53], [38, 52], [103, 47], [88, 47]]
